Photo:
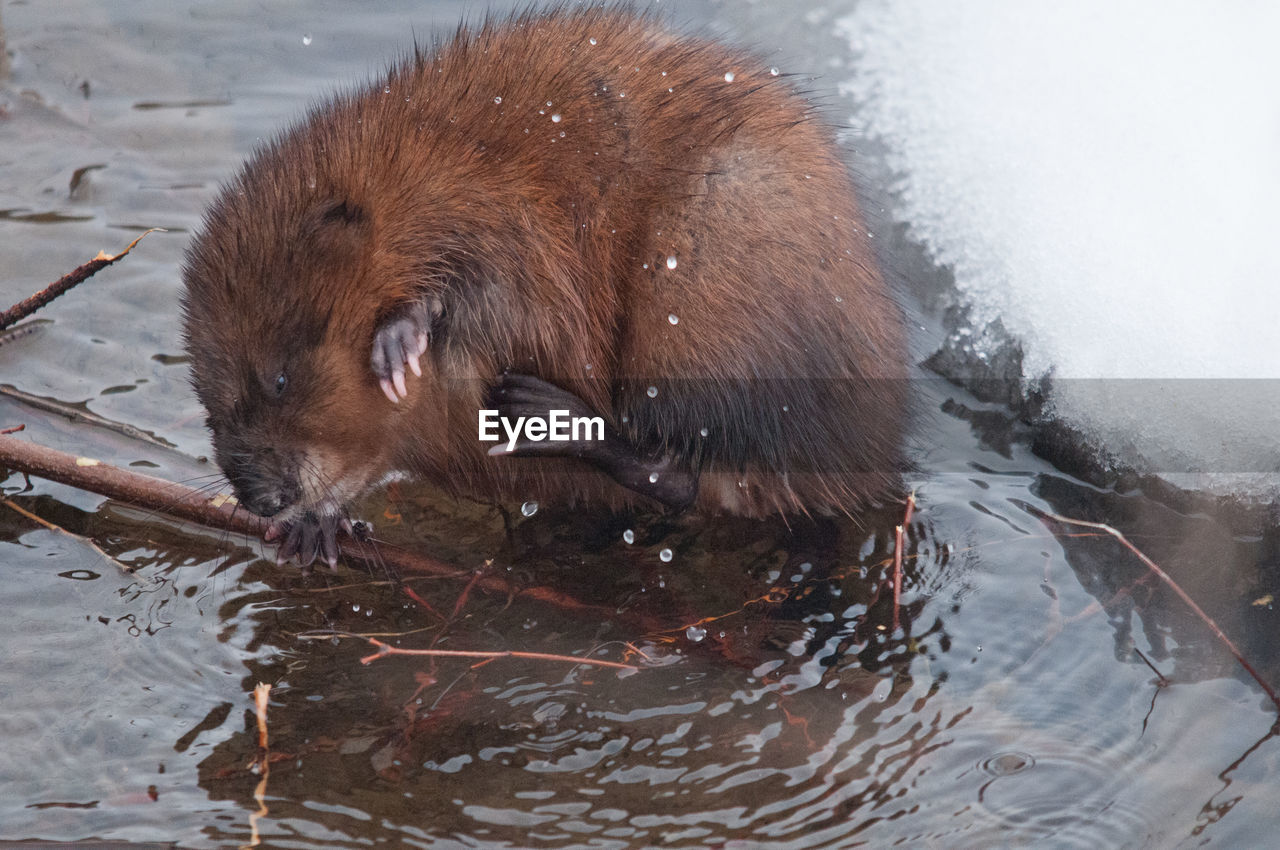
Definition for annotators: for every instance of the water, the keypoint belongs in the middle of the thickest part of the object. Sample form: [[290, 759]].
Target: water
[[1009, 703]]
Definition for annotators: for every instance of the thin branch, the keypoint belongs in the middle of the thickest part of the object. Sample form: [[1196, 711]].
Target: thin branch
[[223, 513], [25, 308], [1182, 594], [261, 695], [80, 414], [384, 650], [79, 538], [898, 538]]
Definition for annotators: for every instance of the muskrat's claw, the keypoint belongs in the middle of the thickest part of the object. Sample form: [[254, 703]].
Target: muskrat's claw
[[402, 338], [307, 537]]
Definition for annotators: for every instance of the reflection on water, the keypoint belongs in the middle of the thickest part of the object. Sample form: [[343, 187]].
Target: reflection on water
[[1039, 685]]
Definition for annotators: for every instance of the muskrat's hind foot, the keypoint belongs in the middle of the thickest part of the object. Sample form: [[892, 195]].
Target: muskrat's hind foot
[[309, 536], [659, 478], [401, 338]]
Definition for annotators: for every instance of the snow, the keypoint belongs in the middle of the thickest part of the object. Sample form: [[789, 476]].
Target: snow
[[1104, 177]]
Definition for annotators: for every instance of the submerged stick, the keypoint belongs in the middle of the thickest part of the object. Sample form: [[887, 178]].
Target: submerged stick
[[385, 649], [223, 513], [25, 308], [1182, 594], [262, 761], [898, 539]]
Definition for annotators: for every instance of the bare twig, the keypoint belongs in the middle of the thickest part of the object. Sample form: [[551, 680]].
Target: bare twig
[[13, 506], [25, 308], [1182, 594], [384, 650], [261, 694], [223, 513], [898, 537], [80, 414]]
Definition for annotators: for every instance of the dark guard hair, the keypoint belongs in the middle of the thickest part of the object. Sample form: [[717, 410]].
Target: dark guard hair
[[572, 207]]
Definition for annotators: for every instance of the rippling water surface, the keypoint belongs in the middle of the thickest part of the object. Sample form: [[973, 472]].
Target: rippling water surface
[[1039, 686]]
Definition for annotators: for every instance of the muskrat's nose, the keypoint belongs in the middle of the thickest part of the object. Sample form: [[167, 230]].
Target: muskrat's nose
[[265, 503], [264, 481]]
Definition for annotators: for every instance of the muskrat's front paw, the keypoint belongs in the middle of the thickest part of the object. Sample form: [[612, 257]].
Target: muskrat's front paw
[[401, 338], [309, 536]]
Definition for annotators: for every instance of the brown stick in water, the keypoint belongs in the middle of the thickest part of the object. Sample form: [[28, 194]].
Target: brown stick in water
[[223, 513], [1182, 594], [25, 308]]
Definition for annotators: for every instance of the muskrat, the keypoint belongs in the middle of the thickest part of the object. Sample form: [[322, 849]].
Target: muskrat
[[568, 210]]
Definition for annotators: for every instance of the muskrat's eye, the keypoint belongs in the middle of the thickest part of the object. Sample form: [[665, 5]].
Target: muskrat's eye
[[281, 383]]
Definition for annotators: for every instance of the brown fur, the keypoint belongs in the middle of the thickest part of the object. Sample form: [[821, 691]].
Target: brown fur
[[546, 241]]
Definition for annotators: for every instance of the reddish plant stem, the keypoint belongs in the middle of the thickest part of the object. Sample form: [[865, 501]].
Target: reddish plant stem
[[1182, 594]]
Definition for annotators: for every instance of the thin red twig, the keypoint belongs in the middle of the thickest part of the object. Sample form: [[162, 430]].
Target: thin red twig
[[1182, 594]]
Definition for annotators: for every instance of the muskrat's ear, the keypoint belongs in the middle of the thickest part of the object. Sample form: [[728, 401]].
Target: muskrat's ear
[[339, 228], [343, 213]]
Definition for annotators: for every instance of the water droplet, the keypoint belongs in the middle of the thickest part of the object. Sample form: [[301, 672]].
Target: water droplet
[[785, 408], [728, 76], [652, 392], [664, 73], [562, 136], [591, 41], [773, 72], [704, 432], [669, 91], [653, 478], [839, 299], [671, 262], [386, 89], [695, 633], [625, 419], [548, 103], [311, 181], [498, 99], [646, 265], [306, 39], [673, 318], [555, 118], [628, 536], [665, 556], [529, 508], [622, 94]]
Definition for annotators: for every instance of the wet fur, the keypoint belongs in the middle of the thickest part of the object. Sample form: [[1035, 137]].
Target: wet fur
[[537, 245]]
